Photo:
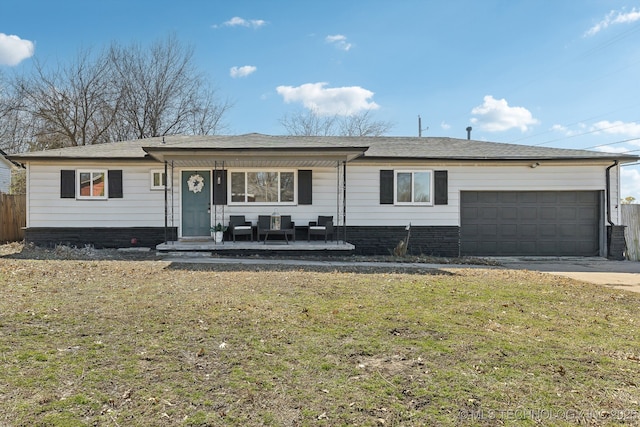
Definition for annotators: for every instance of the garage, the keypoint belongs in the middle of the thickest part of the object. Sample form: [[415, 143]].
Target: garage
[[530, 223]]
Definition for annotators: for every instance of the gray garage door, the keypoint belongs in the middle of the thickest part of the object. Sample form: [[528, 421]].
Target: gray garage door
[[536, 223]]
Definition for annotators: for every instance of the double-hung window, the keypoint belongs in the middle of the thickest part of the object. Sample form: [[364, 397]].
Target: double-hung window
[[263, 187], [413, 187], [92, 184]]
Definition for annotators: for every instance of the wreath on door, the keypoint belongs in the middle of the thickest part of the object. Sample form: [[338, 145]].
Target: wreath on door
[[195, 183]]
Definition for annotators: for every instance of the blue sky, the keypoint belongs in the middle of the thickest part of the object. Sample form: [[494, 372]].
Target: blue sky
[[557, 73]]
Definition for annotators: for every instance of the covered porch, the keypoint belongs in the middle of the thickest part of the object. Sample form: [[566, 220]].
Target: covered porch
[[221, 171]]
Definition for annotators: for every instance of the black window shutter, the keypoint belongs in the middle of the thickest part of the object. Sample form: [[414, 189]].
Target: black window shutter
[[220, 189], [67, 184], [441, 185], [115, 184], [386, 187], [305, 187]]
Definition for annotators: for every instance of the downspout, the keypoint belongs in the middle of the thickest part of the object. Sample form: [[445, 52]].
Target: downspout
[[166, 200], [608, 186]]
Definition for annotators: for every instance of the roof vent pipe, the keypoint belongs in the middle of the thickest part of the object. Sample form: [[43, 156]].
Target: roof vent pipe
[[469, 132]]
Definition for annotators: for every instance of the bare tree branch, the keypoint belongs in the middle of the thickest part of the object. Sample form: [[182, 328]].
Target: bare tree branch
[[310, 123], [162, 92], [123, 93], [363, 124], [71, 105]]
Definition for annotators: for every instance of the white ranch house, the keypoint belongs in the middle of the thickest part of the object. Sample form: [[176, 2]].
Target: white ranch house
[[461, 197]]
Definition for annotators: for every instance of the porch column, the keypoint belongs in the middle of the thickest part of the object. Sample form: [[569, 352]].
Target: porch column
[[341, 194]]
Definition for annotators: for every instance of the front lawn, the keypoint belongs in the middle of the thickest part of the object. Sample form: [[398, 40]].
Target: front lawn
[[146, 343]]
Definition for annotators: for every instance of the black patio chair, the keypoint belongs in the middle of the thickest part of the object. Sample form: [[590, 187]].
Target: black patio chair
[[238, 226], [264, 224], [322, 227], [288, 226]]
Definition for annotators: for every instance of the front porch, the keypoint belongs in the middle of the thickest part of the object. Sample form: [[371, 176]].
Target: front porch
[[257, 247]]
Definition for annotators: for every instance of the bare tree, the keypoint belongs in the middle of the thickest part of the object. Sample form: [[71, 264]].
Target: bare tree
[[71, 105], [122, 93], [310, 123], [363, 124], [12, 123], [162, 93]]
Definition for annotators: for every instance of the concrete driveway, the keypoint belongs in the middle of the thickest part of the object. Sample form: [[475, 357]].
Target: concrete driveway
[[600, 271]]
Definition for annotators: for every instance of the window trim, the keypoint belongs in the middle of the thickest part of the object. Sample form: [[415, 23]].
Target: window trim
[[152, 172], [105, 174], [294, 202], [412, 202]]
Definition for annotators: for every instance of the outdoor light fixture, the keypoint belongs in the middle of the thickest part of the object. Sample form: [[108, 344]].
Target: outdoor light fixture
[[534, 165]]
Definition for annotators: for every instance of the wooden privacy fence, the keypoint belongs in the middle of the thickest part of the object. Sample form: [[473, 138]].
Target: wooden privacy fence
[[13, 217], [631, 218]]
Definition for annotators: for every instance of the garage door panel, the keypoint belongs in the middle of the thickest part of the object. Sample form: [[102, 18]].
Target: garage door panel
[[567, 197], [569, 231], [548, 197], [547, 230], [546, 223], [527, 213], [489, 231], [587, 197], [508, 247], [507, 197], [509, 213], [568, 213], [585, 230], [488, 212], [527, 231], [490, 197], [488, 247], [525, 246], [548, 213], [527, 197], [587, 214]]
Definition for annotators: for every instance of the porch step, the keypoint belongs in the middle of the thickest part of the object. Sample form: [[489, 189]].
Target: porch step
[[255, 247]]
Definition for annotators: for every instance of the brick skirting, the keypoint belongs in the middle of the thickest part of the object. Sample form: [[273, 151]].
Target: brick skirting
[[435, 241], [99, 238], [424, 240]]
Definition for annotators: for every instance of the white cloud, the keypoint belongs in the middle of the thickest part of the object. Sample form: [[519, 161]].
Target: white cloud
[[569, 132], [329, 101], [445, 126], [244, 71], [630, 129], [339, 41], [236, 21], [610, 149], [495, 115], [630, 182], [612, 18], [13, 49]]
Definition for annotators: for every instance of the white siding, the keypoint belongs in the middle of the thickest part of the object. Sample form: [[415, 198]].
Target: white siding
[[139, 207], [363, 197], [143, 207]]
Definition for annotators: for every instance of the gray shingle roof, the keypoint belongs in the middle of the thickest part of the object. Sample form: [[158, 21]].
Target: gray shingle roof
[[378, 148]]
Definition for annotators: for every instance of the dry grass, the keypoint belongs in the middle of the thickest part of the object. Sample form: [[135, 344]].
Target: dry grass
[[122, 343]]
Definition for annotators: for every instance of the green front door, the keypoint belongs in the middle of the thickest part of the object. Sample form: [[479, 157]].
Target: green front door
[[196, 203]]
